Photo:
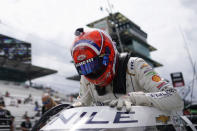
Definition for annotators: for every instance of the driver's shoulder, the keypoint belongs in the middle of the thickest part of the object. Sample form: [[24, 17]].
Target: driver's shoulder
[[132, 64]]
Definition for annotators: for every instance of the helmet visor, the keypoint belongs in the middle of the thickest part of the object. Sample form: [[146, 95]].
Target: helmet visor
[[92, 66]]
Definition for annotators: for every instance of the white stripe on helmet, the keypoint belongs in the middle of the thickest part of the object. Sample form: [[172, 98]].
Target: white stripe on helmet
[[89, 45]]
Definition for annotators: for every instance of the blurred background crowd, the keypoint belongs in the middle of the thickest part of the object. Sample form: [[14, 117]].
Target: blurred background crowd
[[21, 106]]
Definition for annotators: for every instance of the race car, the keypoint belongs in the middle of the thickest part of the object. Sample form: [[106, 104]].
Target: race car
[[105, 118]]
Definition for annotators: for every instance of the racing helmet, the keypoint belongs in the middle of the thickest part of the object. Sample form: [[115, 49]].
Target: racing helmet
[[94, 54]]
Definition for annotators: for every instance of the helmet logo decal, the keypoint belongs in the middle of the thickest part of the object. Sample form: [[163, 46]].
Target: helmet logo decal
[[84, 62], [81, 57]]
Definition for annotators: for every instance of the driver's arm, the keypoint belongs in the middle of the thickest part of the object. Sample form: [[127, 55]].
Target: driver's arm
[[161, 94], [84, 98]]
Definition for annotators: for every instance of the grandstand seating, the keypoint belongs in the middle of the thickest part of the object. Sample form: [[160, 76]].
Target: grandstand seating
[[18, 110]]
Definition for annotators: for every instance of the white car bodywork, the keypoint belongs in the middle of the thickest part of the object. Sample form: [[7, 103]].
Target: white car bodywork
[[107, 118]]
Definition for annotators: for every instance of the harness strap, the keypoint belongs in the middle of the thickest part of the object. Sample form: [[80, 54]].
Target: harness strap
[[119, 81]]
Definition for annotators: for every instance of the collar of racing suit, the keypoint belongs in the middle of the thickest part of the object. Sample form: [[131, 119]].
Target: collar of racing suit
[[119, 81]]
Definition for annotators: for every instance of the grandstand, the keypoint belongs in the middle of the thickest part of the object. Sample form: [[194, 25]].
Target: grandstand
[[20, 92], [15, 61], [15, 69]]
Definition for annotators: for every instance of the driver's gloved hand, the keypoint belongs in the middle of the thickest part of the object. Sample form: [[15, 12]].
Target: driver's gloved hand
[[139, 99], [77, 104], [133, 98], [122, 101]]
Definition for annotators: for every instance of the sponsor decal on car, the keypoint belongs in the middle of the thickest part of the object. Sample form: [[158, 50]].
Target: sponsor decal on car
[[156, 78], [104, 117], [163, 119], [119, 118]]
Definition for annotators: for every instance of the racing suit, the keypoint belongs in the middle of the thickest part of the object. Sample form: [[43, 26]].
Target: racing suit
[[143, 85]]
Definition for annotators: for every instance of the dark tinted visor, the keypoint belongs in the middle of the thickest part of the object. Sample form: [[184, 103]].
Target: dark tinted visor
[[92, 66]]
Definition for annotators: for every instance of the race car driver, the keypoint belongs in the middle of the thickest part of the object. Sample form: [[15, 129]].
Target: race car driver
[[117, 79]]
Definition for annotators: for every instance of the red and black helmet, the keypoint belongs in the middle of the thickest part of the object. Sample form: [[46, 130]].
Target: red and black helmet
[[94, 54]]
